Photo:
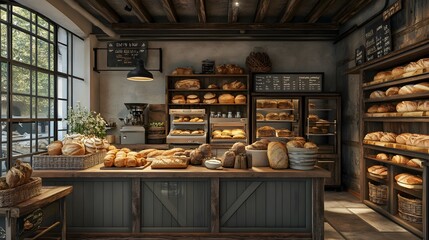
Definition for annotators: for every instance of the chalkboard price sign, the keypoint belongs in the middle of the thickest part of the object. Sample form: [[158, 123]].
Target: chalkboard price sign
[[378, 39], [360, 55], [124, 53], [288, 82]]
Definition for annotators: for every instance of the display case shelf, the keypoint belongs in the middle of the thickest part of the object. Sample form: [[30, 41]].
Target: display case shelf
[[207, 90], [275, 109], [205, 104], [321, 109], [397, 98], [276, 121], [394, 164], [376, 179], [396, 151], [398, 81], [396, 119], [320, 134]]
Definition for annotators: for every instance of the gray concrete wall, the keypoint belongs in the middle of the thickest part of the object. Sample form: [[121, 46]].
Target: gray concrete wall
[[409, 26], [115, 90]]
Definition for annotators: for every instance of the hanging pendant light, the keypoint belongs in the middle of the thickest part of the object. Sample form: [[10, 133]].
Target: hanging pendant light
[[140, 73]]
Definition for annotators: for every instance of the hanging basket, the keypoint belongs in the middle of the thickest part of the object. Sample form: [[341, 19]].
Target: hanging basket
[[258, 62]]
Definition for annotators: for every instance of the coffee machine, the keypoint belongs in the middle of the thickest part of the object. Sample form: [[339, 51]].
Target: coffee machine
[[133, 131]]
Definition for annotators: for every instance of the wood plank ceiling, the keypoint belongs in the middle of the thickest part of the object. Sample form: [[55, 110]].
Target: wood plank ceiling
[[223, 19]]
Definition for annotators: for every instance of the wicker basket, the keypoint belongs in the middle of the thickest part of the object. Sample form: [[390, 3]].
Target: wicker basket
[[13, 196], [410, 209], [377, 194], [44, 161]]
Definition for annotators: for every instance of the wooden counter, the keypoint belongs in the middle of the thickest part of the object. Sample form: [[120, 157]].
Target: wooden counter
[[194, 202]]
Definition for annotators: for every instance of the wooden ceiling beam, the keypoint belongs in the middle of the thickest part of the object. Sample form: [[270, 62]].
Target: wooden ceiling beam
[[357, 8], [289, 11], [139, 10], [225, 26], [201, 11], [318, 10], [233, 11], [261, 11], [169, 10], [104, 9]]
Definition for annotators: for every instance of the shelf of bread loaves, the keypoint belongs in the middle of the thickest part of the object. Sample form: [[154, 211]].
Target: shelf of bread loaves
[[196, 85], [409, 183], [403, 109], [412, 69], [228, 135], [208, 99], [402, 161], [405, 141], [278, 116]]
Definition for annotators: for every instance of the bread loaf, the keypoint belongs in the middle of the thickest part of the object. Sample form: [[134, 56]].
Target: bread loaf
[[73, 149], [155, 153], [169, 162], [187, 84], [387, 107], [423, 105], [378, 170], [374, 136], [415, 162], [145, 152], [284, 104], [373, 109], [212, 86], [407, 89], [260, 117], [266, 104], [388, 137], [266, 131], [380, 76], [408, 179], [284, 133], [109, 160], [392, 91], [411, 67], [382, 156], [295, 144], [313, 117], [310, 145], [403, 138], [397, 72], [272, 116], [277, 155], [192, 99], [234, 85], [228, 159], [240, 99], [406, 106], [178, 99], [54, 148], [399, 159], [259, 145], [377, 94], [226, 99], [423, 63], [421, 87]]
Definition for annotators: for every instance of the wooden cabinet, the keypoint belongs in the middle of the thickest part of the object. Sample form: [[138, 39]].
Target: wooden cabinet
[[220, 114], [380, 112]]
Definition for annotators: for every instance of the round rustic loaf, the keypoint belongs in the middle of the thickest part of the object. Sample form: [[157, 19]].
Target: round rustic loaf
[[277, 155]]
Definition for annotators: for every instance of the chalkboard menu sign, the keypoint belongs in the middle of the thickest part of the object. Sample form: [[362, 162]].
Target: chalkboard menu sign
[[378, 39], [360, 55], [288, 82], [124, 53]]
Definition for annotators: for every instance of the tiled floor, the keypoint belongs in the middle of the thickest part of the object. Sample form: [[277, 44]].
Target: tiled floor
[[347, 218]]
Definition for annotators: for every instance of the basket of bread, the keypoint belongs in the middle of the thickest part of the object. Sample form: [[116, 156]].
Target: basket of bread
[[76, 151], [18, 185], [302, 155], [410, 209]]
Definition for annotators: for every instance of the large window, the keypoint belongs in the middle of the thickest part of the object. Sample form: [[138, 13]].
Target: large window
[[36, 82]]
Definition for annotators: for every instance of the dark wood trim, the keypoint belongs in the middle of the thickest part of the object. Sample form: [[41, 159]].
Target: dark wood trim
[[136, 205], [139, 10], [289, 11], [318, 208], [169, 10], [318, 10], [232, 12], [345, 9], [215, 219], [357, 7], [224, 26], [261, 11], [104, 9], [201, 11]]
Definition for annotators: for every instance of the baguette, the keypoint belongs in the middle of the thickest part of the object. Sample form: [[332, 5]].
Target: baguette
[[169, 162]]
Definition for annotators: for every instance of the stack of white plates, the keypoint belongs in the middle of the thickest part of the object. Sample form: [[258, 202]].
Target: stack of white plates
[[302, 158]]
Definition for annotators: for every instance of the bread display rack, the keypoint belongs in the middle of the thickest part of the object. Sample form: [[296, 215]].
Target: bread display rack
[[222, 96], [395, 101], [187, 126]]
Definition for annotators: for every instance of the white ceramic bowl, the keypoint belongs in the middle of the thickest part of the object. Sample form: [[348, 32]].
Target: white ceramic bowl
[[259, 158], [213, 163]]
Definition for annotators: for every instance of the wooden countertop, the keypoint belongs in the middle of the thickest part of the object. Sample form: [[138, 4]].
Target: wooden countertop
[[190, 172]]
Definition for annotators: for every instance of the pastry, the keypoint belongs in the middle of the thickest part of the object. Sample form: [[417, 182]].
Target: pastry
[[54, 148], [397, 72], [284, 104], [423, 105], [373, 109], [277, 155], [120, 161], [392, 91], [226, 99], [187, 84], [313, 118], [382, 156], [407, 89], [192, 99], [399, 159], [284, 133], [240, 99], [266, 131], [212, 86], [226, 132], [406, 106], [260, 117], [378, 170], [377, 94], [272, 116], [421, 87], [380, 76]]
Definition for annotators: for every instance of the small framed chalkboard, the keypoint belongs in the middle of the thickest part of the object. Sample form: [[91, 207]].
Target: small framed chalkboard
[[378, 39], [124, 53], [360, 55], [287, 82]]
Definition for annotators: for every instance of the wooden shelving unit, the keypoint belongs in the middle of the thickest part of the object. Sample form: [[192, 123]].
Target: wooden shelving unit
[[397, 124]]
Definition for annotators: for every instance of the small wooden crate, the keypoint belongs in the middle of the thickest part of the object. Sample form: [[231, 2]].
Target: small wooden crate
[[377, 194], [410, 209], [13, 196], [45, 161]]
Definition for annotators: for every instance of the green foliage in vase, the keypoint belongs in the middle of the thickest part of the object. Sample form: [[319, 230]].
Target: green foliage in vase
[[85, 122]]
